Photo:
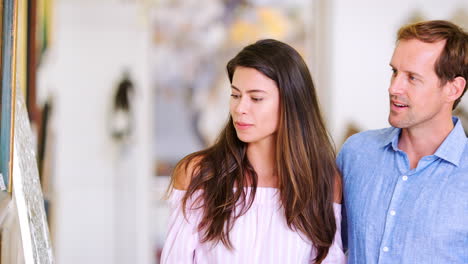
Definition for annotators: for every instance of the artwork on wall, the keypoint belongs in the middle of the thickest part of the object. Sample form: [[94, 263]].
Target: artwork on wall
[[24, 235], [121, 121], [8, 82], [28, 191], [38, 40], [191, 44]]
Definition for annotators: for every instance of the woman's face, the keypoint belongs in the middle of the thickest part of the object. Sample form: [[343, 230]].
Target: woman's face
[[254, 105]]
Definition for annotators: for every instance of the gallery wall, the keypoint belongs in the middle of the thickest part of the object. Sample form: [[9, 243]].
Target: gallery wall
[[100, 203]]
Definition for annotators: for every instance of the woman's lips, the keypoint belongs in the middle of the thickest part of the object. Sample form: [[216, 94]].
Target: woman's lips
[[241, 125]]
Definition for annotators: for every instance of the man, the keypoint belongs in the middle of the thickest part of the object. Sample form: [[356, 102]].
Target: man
[[406, 187]]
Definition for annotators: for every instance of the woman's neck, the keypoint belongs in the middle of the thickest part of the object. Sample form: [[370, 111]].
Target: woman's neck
[[262, 156]]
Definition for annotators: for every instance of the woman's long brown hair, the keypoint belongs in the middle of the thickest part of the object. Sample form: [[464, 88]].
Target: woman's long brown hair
[[305, 157]]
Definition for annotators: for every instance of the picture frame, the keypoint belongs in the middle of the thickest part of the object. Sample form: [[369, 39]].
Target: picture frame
[[8, 84]]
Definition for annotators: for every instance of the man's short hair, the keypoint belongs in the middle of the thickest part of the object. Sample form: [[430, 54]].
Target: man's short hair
[[453, 60]]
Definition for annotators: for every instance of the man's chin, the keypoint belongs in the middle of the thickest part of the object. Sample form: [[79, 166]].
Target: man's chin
[[394, 123]]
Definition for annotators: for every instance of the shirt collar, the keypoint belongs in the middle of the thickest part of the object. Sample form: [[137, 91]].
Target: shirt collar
[[392, 138], [451, 148]]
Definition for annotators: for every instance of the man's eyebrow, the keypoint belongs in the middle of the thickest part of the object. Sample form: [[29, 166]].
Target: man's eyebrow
[[410, 72]]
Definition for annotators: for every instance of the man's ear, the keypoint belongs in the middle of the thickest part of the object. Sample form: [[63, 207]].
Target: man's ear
[[455, 88]]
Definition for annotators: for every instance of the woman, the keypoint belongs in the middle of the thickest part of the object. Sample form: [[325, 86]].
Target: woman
[[264, 192]]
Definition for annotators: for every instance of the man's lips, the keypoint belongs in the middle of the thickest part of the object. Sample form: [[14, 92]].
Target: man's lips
[[398, 104]]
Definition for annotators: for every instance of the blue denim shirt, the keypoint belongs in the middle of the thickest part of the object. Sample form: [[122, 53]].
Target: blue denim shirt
[[394, 214]]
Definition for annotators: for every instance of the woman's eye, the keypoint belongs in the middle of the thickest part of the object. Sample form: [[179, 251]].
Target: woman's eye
[[257, 99], [235, 96]]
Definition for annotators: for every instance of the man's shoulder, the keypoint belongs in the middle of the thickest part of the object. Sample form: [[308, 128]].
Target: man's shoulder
[[362, 150], [364, 146], [464, 156], [369, 138]]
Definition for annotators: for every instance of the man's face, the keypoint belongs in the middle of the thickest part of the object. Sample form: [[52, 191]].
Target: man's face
[[416, 96]]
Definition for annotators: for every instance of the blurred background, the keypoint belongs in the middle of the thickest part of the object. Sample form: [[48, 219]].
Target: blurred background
[[123, 89]]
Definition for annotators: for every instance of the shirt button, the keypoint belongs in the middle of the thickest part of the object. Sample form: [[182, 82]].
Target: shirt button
[[405, 178], [385, 249], [392, 212]]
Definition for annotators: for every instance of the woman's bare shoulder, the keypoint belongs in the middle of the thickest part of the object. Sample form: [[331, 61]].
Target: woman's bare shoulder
[[337, 189], [184, 171]]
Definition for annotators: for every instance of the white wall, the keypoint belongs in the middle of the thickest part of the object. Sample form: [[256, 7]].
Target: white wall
[[362, 41], [100, 204]]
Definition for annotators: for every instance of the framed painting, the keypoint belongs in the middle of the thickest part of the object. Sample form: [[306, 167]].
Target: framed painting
[[8, 81]]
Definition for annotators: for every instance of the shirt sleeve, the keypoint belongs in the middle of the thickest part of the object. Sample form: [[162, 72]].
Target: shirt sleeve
[[335, 253], [340, 162], [182, 235]]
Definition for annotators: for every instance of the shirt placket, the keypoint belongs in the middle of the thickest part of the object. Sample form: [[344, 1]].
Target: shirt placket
[[388, 249]]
